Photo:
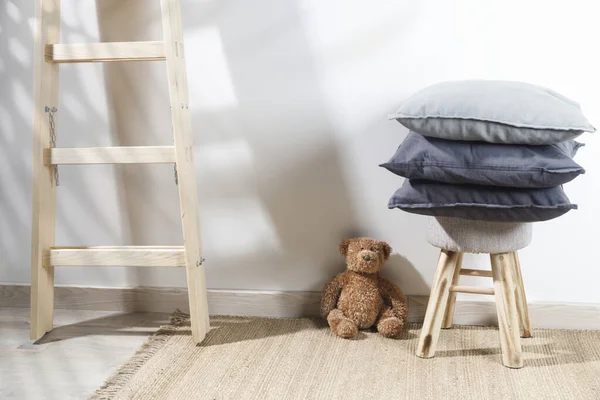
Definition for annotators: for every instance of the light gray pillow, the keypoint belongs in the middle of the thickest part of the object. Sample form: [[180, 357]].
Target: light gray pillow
[[484, 203], [494, 112]]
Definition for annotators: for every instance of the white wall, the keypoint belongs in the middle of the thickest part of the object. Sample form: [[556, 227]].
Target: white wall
[[290, 101]]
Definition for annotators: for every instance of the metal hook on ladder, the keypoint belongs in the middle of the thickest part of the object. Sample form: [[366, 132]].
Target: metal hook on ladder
[[52, 124]]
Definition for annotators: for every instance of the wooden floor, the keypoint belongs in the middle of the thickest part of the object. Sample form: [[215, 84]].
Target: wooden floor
[[73, 360]]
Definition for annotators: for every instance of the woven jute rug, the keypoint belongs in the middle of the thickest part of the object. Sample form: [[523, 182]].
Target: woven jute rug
[[258, 358]]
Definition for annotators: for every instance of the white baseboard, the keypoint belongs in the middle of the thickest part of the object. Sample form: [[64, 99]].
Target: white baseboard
[[284, 304]]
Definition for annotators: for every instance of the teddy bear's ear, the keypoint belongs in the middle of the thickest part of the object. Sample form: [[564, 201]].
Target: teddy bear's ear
[[344, 246], [387, 250]]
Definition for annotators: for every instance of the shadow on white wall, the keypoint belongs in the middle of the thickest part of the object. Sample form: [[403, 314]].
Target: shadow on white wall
[[276, 191], [273, 195]]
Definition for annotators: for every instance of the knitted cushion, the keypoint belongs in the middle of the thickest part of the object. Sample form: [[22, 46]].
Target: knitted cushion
[[471, 236]]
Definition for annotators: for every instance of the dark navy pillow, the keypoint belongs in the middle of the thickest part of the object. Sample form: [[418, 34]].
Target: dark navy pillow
[[485, 203], [479, 163]]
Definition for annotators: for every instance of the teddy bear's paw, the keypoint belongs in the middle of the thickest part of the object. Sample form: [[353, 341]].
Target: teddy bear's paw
[[390, 327], [346, 329]]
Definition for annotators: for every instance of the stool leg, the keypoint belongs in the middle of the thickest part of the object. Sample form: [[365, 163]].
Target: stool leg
[[506, 305], [449, 314], [438, 300], [525, 323]]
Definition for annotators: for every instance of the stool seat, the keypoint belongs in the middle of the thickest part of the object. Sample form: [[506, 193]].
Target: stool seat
[[471, 236]]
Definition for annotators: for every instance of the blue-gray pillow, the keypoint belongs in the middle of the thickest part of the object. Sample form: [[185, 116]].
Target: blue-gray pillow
[[479, 163], [485, 203], [493, 111]]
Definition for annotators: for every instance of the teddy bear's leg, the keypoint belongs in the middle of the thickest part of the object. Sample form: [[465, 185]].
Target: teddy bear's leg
[[342, 325], [388, 324]]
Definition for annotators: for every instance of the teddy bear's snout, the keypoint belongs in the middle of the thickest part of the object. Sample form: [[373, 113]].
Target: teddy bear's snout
[[368, 256]]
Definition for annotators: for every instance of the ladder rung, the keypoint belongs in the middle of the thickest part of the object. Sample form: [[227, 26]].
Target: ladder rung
[[127, 256], [105, 52], [471, 289], [110, 155], [476, 272]]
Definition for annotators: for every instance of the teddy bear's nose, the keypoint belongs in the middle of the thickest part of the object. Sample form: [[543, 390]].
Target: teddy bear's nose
[[366, 257]]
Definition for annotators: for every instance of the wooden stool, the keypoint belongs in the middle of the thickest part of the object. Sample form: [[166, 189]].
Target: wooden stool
[[501, 240]]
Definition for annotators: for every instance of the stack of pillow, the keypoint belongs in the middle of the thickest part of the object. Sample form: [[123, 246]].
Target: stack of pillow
[[487, 150]]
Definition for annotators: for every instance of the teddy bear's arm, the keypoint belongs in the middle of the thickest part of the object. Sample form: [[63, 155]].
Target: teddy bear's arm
[[394, 296], [331, 292]]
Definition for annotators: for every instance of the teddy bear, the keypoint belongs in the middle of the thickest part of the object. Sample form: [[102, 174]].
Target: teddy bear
[[359, 298]]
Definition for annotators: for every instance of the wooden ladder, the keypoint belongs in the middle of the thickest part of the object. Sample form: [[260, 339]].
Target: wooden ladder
[[46, 158]]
